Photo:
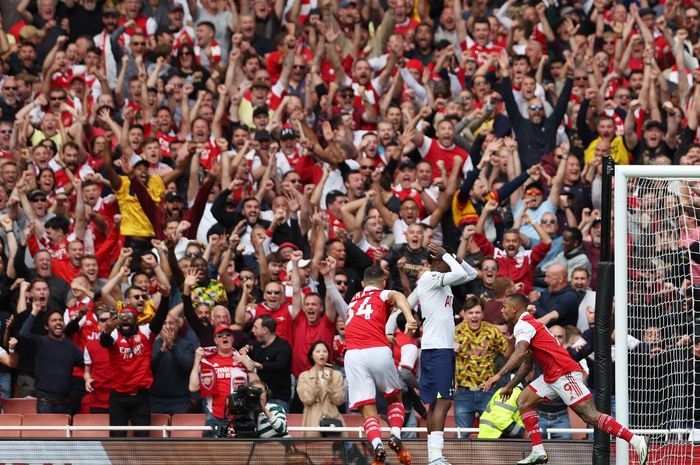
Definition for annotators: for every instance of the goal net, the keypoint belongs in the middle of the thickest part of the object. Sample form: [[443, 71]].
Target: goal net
[[657, 295]]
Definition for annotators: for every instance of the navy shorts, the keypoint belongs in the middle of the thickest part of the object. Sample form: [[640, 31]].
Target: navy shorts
[[437, 374]]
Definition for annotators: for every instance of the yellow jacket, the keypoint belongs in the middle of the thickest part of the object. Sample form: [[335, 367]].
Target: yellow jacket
[[501, 418]]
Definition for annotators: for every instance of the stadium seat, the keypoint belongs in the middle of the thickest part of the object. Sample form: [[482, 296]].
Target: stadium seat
[[353, 420], [295, 419], [157, 419], [576, 422], [45, 419], [10, 419], [91, 419], [19, 405], [187, 419]]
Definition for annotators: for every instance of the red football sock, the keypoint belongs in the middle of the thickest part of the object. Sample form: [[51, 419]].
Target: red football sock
[[372, 430], [396, 413], [532, 426], [609, 425]]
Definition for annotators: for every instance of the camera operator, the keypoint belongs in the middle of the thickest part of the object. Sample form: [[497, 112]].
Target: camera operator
[[272, 421], [216, 375]]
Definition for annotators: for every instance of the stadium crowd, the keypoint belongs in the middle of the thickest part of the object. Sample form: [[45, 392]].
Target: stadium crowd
[[191, 191]]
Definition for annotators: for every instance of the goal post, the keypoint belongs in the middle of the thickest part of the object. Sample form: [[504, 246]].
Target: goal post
[[651, 296]]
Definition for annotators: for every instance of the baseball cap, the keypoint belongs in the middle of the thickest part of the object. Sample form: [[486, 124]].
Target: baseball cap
[[407, 164], [346, 3], [288, 133], [653, 124], [262, 135], [261, 84], [222, 329], [288, 244], [414, 64], [110, 10], [177, 7], [173, 197], [36, 193], [303, 263], [261, 110]]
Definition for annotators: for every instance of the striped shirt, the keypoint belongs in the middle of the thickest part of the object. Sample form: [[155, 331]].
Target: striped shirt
[[274, 427]]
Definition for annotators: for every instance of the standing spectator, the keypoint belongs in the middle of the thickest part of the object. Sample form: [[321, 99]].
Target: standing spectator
[[580, 281], [320, 388], [273, 360], [98, 379], [477, 344], [55, 358], [558, 304], [172, 359], [574, 255], [130, 347]]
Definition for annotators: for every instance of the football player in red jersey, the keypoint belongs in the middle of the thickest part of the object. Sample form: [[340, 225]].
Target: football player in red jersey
[[369, 364], [562, 377]]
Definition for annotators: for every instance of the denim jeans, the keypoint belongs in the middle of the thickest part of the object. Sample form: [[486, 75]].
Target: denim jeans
[[213, 422], [5, 385], [43, 406], [554, 420], [468, 403]]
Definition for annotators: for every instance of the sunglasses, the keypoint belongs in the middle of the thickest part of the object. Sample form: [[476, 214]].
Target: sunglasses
[[489, 268], [533, 192], [55, 99], [339, 282], [624, 96], [536, 107], [608, 42], [42, 199], [299, 66], [581, 78], [273, 292], [548, 222], [368, 167], [9, 87], [193, 254], [139, 297], [5, 131]]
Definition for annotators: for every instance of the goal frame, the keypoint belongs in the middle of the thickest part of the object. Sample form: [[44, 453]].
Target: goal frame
[[622, 173]]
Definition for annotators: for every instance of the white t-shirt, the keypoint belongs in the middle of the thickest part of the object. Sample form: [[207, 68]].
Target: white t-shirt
[[435, 296]]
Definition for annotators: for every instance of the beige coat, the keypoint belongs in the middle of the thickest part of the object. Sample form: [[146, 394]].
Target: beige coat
[[320, 396]]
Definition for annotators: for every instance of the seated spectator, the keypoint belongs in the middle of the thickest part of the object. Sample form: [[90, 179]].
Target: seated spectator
[[321, 389], [558, 304]]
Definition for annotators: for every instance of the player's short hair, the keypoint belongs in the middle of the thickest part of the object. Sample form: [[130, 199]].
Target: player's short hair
[[374, 273], [401, 321], [519, 300]]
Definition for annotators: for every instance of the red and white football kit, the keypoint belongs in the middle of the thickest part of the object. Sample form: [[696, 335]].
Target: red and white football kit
[[562, 376], [130, 358], [369, 364], [219, 376]]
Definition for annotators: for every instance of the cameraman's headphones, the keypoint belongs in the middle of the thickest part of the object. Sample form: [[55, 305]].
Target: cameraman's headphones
[[268, 393]]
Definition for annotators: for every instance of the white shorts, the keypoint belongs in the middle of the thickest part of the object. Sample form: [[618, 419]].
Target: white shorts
[[367, 371], [569, 387]]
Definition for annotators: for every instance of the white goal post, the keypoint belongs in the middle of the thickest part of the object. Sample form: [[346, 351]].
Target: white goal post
[[639, 252]]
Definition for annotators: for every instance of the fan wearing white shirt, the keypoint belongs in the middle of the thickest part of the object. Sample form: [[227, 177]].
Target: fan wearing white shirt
[[437, 359]]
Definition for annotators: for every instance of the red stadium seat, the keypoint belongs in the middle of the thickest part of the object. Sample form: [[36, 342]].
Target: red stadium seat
[[45, 419], [10, 419], [91, 419], [157, 419], [353, 420], [295, 419], [187, 419], [19, 405]]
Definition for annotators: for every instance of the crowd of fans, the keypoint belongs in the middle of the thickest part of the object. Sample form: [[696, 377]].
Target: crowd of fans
[[190, 190]]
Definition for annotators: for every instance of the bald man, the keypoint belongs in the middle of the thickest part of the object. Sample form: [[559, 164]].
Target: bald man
[[559, 303]]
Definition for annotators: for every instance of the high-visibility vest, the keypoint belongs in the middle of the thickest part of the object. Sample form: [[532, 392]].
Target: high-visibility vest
[[501, 419]]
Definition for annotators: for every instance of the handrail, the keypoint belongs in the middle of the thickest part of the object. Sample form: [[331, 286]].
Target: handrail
[[323, 429]]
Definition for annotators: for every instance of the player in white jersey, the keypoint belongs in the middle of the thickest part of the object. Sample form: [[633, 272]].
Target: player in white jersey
[[437, 359]]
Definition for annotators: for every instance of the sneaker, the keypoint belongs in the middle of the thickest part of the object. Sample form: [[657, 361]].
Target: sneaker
[[534, 458], [640, 446], [439, 461], [401, 452], [379, 455]]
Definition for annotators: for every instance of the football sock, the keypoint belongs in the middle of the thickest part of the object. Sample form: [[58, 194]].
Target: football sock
[[436, 441], [532, 427], [609, 425], [372, 431], [396, 413]]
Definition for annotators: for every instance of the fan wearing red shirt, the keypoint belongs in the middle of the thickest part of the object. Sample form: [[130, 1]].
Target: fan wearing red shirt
[[98, 374], [274, 305], [481, 46], [129, 348], [311, 322], [369, 364], [216, 375], [561, 377], [442, 148]]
